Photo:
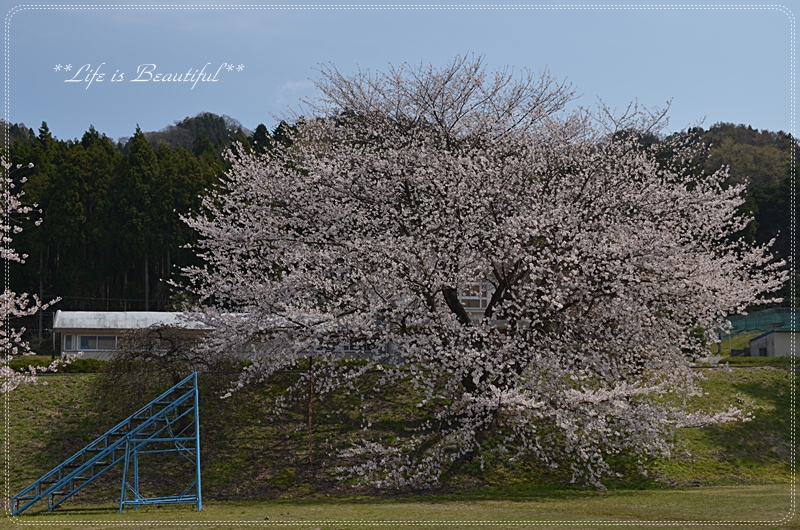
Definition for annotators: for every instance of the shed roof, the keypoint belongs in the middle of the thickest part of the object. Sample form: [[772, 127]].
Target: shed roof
[[111, 320], [770, 332]]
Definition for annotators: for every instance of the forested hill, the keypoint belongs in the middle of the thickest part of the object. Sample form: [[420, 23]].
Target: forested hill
[[111, 234], [763, 160]]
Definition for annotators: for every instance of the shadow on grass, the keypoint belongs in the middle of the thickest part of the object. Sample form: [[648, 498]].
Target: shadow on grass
[[249, 452], [231, 452], [767, 437], [247, 456], [72, 510]]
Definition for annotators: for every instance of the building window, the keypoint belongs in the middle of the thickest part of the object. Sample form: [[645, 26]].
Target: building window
[[106, 343], [476, 296], [89, 342], [68, 346]]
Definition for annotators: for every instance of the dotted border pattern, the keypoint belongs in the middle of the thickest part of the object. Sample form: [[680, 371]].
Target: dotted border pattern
[[6, 496]]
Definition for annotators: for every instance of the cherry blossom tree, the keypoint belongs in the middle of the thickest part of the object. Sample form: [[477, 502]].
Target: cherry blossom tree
[[600, 256], [14, 305]]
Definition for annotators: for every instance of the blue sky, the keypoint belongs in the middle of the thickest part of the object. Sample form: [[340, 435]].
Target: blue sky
[[731, 65]]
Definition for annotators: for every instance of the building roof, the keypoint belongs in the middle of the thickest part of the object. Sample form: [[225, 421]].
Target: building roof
[[118, 320], [770, 332]]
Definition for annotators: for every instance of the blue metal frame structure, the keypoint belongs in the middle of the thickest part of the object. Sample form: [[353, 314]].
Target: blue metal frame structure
[[170, 423]]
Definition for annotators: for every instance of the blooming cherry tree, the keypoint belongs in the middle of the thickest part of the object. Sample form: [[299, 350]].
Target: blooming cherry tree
[[14, 305], [406, 190]]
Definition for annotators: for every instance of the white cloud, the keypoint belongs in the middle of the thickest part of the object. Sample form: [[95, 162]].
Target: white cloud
[[296, 86]]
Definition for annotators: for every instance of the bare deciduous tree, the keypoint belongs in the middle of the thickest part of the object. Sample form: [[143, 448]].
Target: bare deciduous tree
[[165, 349]]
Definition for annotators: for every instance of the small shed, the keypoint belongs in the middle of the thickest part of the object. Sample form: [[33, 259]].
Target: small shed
[[774, 343], [95, 333]]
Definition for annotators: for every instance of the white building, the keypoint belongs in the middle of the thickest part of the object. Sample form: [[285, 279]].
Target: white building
[[775, 343], [95, 333]]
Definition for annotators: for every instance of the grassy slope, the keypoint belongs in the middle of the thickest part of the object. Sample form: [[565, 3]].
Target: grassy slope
[[247, 456], [740, 341], [756, 451]]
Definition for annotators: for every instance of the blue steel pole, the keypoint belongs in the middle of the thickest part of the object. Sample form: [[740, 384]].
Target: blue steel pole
[[197, 442], [124, 476], [135, 477]]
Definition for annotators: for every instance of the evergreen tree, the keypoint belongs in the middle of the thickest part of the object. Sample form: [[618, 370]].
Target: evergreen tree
[[261, 140], [136, 205], [283, 133]]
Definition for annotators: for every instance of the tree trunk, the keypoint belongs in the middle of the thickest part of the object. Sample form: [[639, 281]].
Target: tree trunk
[[310, 408], [57, 264], [146, 286], [451, 297], [41, 293], [167, 274]]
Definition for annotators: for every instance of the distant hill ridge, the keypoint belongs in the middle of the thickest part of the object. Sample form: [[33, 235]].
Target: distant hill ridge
[[193, 133]]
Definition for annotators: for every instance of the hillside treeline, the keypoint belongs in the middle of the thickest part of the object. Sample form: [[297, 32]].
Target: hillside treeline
[[110, 234], [767, 163]]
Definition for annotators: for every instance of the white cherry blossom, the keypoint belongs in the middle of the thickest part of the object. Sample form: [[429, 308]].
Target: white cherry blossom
[[409, 188], [14, 305]]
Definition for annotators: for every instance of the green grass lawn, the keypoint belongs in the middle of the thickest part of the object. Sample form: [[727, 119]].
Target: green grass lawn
[[759, 361], [766, 506], [255, 463]]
